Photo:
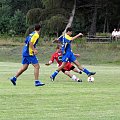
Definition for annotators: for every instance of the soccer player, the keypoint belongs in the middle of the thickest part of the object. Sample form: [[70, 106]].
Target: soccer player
[[68, 67], [68, 54], [29, 56]]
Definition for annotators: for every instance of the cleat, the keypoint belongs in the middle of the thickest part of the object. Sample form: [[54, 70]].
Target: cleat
[[91, 73], [41, 84], [52, 78], [79, 80], [38, 83], [13, 80], [80, 72]]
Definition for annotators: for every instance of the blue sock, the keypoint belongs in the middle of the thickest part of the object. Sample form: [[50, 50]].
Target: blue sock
[[55, 73], [86, 71]]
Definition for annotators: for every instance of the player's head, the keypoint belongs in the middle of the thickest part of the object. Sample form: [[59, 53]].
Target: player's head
[[58, 48], [69, 30], [37, 27]]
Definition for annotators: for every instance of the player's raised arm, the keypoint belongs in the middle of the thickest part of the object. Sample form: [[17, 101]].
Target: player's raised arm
[[78, 35]]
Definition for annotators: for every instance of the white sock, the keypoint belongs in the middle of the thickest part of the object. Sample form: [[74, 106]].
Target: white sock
[[74, 77], [79, 70]]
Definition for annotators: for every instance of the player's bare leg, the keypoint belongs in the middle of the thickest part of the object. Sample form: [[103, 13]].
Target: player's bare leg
[[78, 65], [73, 77], [83, 69], [36, 71], [20, 71], [36, 74], [57, 71], [77, 70], [62, 66]]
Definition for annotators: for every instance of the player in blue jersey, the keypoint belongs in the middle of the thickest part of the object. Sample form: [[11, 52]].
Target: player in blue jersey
[[29, 56], [68, 54]]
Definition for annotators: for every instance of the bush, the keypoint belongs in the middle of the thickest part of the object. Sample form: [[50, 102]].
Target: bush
[[18, 22], [4, 24]]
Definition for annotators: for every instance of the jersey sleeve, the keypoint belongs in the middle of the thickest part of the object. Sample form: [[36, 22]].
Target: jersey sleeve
[[68, 37], [34, 38], [52, 58], [60, 38]]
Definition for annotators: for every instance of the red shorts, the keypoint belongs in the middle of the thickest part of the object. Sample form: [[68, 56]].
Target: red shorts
[[68, 67]]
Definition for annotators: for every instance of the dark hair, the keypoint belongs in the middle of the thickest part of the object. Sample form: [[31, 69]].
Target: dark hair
[[37, 27], [58, 46], [69, 29]]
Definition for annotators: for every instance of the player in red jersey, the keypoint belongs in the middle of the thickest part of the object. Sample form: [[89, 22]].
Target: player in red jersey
[[68, 67]]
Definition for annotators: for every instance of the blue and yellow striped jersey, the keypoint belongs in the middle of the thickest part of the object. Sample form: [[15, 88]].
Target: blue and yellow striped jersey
[[33, 37], [66, 43]]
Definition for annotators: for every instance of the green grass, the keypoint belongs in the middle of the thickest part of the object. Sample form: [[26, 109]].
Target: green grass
[[62, 99]]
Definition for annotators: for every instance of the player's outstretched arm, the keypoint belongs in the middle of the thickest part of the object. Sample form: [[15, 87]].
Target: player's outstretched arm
[[56, 40], [78, 35], [49, 63], [77, 55]]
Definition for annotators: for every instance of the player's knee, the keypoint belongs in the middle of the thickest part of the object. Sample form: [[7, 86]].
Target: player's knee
[[37, 66], [24, 68], [66, 73]]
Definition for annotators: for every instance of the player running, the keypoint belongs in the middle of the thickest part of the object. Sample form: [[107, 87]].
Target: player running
[[68, 54], [68, 67], [29, 56]]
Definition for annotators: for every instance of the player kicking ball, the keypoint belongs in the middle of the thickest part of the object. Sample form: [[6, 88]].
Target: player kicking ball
[[67, 68], [67, 54], [29, 56]]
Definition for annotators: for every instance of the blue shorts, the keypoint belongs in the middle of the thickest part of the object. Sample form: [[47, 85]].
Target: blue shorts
[[29, 60], [69, 56]]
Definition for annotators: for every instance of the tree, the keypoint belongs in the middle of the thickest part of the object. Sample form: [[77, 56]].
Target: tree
[[94, 19], [23, 5], [33, 16], [89, 16], [17, 22], [55, 24], [69, 24]]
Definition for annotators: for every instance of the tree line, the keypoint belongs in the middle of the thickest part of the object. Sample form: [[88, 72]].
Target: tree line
[[54, 15]]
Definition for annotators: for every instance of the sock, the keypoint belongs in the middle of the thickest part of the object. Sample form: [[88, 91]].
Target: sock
[[74, 78], [37, 81], [79, 71], [55, 73], [86, 71]]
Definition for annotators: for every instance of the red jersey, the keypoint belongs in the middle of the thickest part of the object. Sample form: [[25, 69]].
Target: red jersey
[[58, 57]]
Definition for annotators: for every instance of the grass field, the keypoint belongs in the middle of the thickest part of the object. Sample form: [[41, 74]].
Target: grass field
[[62, 99]]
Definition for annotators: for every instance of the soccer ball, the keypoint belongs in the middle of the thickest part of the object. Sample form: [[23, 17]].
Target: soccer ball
[[90, 79]]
